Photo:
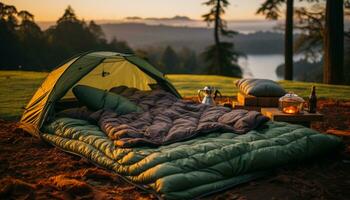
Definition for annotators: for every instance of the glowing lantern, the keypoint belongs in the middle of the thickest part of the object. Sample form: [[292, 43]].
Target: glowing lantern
[[291, 104]]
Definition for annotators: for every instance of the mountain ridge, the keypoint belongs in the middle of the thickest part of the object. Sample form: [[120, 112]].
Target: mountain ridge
[[140, 35]]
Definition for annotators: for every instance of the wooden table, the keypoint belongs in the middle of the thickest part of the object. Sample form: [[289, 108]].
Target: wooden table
[[304, 118]]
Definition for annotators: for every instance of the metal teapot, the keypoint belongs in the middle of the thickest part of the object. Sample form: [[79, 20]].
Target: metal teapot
[[210, 94]]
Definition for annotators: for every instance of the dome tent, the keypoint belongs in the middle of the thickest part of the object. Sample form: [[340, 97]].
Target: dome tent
[[102, 70]]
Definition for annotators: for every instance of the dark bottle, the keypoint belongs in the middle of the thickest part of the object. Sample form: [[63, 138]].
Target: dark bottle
[[313, 100]]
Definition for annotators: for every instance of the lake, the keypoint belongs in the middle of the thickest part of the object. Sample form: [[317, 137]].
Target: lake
[[263, 66]]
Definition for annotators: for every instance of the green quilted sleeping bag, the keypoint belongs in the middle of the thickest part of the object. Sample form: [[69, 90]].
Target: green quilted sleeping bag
[[196, 167]]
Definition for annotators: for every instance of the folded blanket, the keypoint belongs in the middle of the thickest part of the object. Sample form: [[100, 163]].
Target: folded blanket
[[167, 119]]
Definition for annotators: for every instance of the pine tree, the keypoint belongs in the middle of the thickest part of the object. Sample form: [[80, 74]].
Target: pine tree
[[271, 9], [9, 41], [96, 30], [323, 32], [32, 41], [68, 16], [221, 56], [170, 60], [310, 23], [188, 60]]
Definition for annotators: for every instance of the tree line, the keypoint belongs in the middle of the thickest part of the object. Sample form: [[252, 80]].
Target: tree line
[[25, 46], [171, 61], [322, 32]]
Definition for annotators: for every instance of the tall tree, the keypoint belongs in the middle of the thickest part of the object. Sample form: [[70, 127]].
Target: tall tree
[[24, 44], [310, 23], [334, 42], [68, 16], [70, 36], [188, 60], [32, 41], [347, 46], [170, 60], [288, 41], [221, 57], [96, 30], [9, 44], [271, 9], [119, 46]]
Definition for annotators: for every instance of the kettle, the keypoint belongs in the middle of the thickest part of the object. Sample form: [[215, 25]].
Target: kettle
[[210, 94]]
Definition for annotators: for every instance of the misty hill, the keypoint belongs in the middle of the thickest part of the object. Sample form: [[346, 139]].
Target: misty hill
[[177, 17], [160, 32], [139, 35]]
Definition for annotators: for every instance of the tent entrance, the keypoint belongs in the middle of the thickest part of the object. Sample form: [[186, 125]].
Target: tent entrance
[[113, 72]]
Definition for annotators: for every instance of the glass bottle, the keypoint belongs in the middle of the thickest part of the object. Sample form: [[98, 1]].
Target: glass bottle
[[313, 101]]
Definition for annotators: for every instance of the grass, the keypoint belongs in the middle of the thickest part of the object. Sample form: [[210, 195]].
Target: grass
[[189, 84], [17, 87]]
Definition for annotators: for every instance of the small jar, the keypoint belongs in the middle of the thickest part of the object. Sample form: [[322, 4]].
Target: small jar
[[291, 104]]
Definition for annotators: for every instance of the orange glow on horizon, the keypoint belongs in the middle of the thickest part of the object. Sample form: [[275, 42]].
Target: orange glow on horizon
[[50, 10]]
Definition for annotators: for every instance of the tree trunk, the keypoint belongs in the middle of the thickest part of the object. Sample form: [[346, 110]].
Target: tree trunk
[[288, 42], [216, 25], [334, 43], [219, 69]]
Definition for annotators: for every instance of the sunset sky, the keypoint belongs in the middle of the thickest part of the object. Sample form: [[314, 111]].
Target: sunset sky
[[51, 10]]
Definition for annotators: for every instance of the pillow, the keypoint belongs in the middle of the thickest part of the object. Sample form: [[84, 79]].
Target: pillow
[[260, 87], [96, 99], [76, 113]]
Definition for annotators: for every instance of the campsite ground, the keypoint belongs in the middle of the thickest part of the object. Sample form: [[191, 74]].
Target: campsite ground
[[31, 169]]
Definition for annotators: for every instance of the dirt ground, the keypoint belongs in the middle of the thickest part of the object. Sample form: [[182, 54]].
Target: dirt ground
[[31, 169]]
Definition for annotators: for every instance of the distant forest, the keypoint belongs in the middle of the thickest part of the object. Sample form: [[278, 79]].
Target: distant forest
[[26, 46]]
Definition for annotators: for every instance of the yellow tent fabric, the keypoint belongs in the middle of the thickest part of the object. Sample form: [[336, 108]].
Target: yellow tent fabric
[[36, 104], [102, 70], [115, 72]]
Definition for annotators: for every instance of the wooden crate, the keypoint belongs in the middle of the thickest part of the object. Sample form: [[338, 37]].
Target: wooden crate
[[249, 100], [250, 108], [246, 100]]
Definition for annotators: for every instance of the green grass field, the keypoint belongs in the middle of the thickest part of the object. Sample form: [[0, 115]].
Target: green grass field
[[189, 84], [17, 87]]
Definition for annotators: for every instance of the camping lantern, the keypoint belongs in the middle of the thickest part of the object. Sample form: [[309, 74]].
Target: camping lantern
[[291, 103]]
